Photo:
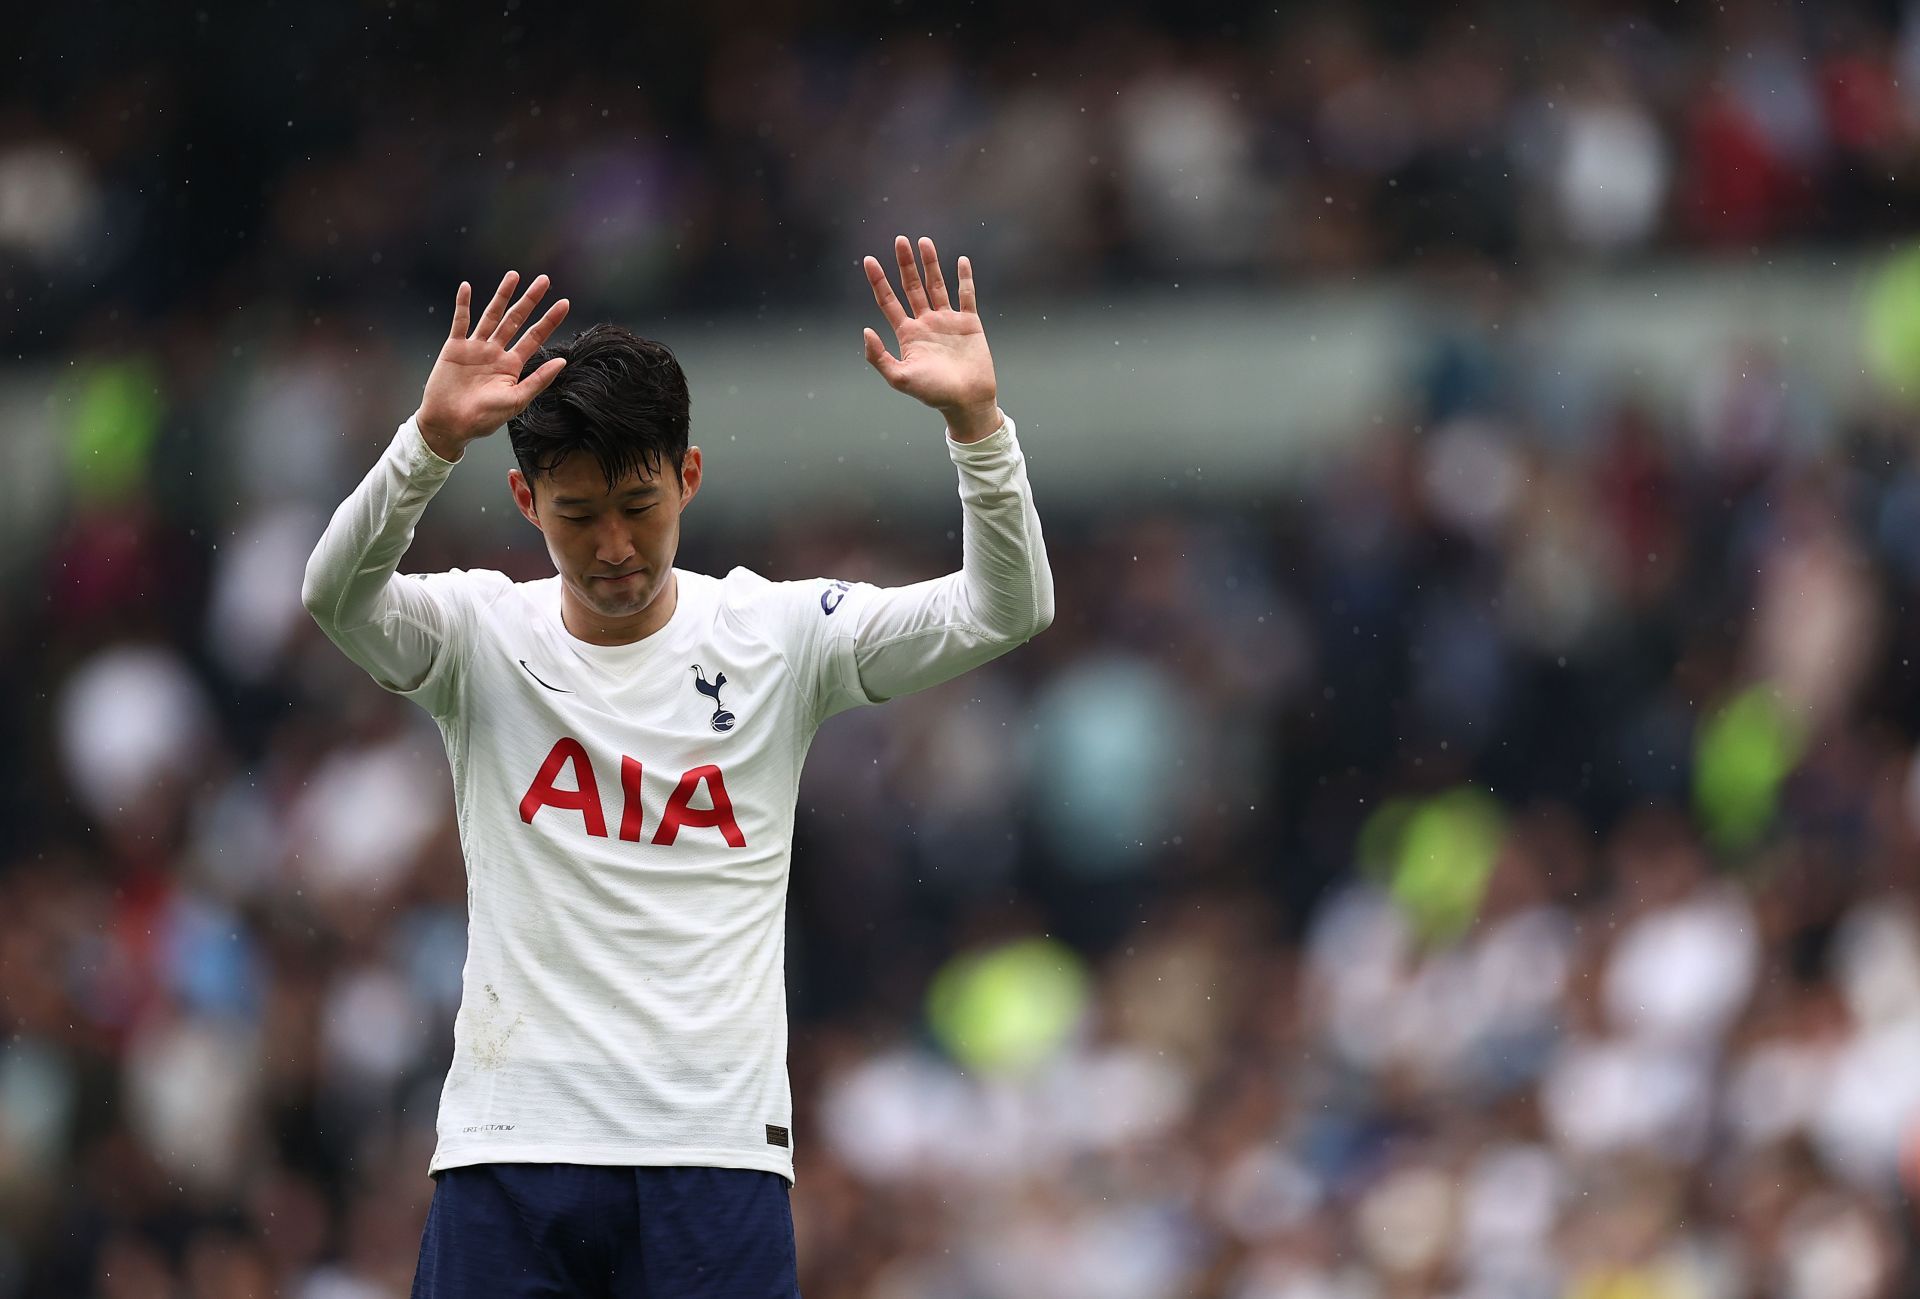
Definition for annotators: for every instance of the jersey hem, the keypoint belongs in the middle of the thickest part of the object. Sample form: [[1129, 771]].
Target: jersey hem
[[637, 1157]]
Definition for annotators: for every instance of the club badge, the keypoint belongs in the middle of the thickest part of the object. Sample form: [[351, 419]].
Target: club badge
[[722, 719]]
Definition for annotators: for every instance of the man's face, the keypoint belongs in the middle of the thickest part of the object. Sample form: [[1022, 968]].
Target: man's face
[[613, 548]]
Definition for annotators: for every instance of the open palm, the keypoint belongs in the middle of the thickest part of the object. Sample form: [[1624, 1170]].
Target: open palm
[[943, 361], [476, 384]]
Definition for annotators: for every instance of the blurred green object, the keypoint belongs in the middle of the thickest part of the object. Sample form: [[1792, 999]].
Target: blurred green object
[[1744, 754], [117, 408], [1447, 853], [1377, 847], [1435, 856], [1891, 331], [1007, 1009]]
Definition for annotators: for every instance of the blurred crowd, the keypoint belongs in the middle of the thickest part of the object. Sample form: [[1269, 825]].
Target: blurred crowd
[[1484, 868], [181, 167], [1487, 869]]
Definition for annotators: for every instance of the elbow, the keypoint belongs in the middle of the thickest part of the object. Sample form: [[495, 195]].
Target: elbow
[[1043, 597], [1036, 622], [1008, 615], [1042, 612], [314, 593], [1009, 629]]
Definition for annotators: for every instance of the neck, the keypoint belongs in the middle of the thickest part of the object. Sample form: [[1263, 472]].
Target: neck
[[598, 629]]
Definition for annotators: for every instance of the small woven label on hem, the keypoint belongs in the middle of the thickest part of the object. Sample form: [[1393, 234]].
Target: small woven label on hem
[[776, 1136]]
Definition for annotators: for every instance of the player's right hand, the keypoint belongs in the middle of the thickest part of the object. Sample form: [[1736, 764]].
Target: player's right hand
[[476, 384]]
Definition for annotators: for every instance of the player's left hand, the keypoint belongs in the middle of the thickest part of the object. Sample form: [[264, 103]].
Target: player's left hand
[[943, 361]]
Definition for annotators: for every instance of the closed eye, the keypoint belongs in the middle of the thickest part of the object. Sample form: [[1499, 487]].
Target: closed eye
[[586, 518]]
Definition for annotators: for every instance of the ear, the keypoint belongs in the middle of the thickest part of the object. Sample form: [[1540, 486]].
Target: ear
[[523, 496], [689, 476]]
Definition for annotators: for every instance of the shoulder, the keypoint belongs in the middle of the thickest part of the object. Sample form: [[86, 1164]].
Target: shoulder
[[809, 623], [469, 590], [472, 585], [747, 597]]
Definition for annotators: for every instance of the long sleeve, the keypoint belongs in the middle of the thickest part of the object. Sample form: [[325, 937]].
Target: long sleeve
[[910, 637], [854, 643], [397, 628], [897, 639]]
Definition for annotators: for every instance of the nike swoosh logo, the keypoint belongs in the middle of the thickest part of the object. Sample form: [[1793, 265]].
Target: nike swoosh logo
[[536, 676]]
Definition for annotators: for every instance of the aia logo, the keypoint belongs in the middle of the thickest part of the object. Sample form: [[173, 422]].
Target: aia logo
[[831, 597], [584, 798], [722, 719]]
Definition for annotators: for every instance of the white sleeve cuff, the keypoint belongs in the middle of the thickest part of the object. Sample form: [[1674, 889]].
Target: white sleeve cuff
[[416, 457], [993, 443]]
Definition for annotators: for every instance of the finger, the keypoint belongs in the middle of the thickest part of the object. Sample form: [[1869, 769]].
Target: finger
[[883, 294], [967, 302], [531, 341], [536, 383], [511, 322], [936, 282], [881, 359], [462, 300], [909, 275], [498, 307]]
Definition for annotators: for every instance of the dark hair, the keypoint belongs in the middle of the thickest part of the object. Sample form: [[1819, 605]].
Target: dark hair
[[621, 399]]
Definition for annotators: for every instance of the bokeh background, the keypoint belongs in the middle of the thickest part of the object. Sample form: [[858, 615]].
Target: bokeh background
[[1459, 837]]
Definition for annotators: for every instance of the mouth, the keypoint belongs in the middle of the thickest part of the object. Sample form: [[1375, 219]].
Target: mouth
[[616, 577]]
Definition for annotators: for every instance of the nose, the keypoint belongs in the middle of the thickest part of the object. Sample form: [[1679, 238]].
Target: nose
[[613, 545]]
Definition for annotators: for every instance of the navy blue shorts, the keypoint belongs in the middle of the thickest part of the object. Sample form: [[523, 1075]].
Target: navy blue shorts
[[510, 1230]]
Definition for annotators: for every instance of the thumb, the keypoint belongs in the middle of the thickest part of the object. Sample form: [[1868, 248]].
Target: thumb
[[882, 360], [536, 383]]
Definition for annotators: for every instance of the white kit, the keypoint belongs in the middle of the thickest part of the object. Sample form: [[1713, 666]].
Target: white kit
[[626, 812]]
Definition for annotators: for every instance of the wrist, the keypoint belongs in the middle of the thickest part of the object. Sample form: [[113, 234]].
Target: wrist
[[972, 423], [438, 440]]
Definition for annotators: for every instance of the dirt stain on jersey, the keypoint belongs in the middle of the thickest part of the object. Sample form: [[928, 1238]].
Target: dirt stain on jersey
[[489, 1039]]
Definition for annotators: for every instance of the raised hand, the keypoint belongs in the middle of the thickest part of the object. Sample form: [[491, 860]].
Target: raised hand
[[476, 385], [943, 361]]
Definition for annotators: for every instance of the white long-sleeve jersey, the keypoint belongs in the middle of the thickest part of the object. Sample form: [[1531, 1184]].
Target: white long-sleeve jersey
[[626, 812]]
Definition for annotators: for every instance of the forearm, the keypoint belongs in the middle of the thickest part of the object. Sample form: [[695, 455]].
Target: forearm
[[1004, 577], [392, 628]]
